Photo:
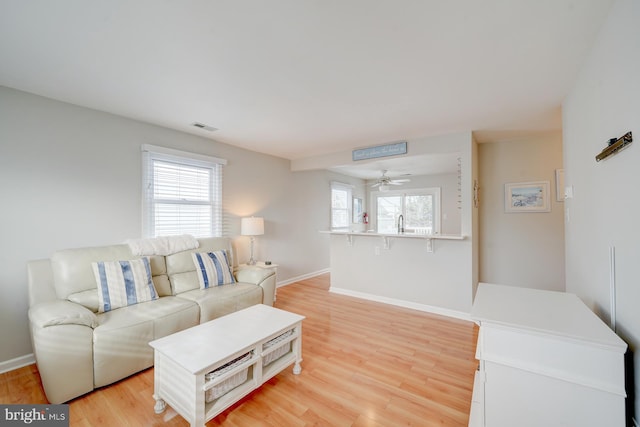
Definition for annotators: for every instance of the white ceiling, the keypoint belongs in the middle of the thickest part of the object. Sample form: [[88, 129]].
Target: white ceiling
[[298, 78]]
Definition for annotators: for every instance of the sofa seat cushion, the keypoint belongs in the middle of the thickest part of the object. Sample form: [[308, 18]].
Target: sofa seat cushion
[[121, 341], [168, 315], [224, 299]]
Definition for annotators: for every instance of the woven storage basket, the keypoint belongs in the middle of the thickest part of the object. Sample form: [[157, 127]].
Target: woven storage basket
[[279, 352], [231, 382]]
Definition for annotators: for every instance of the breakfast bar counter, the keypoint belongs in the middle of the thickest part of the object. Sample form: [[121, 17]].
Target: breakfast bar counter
[[427, 272]]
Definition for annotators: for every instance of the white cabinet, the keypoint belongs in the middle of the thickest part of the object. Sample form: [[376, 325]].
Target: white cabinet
[[545, 360]]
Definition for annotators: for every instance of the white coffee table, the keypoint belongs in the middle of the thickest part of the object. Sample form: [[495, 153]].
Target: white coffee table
[[270, 339]]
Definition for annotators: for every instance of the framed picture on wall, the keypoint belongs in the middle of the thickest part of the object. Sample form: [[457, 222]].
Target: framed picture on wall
[[527, 197]]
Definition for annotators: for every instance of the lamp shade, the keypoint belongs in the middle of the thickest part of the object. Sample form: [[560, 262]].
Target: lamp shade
[[253, 226]]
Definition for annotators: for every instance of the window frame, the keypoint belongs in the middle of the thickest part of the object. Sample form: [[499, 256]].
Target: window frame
[[432, 191], [340, 186], [152, 154]]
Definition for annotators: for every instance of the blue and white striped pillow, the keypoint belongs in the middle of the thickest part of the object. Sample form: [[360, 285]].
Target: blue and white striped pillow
[[123, 283], [213, 268]]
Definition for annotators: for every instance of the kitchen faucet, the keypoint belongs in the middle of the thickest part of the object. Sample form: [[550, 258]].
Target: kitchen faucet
[[400, 224]]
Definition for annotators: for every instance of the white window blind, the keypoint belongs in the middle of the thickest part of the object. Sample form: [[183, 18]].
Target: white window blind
[[182, 193]]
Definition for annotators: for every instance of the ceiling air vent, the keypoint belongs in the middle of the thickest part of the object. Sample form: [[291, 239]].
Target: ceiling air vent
[[203, 126]]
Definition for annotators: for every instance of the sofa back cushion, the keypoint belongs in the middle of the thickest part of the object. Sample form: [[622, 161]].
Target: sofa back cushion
[[182, 270], [73, 273]]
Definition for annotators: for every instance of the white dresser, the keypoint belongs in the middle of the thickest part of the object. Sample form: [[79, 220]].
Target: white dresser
[[545, 360]]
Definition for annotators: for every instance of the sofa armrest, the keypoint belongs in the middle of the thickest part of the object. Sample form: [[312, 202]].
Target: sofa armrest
[[253, 275], [61, 312], [265, 278], [62, 338]]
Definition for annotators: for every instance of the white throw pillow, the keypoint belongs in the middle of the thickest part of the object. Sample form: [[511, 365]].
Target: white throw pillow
[[123, 283], [213, 268]]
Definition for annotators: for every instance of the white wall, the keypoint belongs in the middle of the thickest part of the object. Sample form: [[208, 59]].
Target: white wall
[[406, 273], [474, 182], [605, 210], [71, 177], [521, 249]]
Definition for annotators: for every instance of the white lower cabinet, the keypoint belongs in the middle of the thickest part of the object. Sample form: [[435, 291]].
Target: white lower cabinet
[[544, 360]]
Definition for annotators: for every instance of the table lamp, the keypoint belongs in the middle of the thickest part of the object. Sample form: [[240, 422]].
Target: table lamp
[[253, 226]]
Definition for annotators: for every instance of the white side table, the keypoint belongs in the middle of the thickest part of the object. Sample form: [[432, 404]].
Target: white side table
[[272, 267]]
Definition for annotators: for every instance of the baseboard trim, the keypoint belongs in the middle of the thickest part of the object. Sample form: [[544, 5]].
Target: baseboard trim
[[302, 277], [18, 362], [402, 303]]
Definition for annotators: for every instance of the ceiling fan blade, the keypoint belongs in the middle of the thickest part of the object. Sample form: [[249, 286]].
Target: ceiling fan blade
[[385, 180]]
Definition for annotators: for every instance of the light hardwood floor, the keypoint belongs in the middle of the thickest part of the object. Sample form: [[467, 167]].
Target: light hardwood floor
[[365, 364]]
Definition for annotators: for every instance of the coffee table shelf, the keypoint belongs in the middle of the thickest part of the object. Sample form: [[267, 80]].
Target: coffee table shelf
[[183, 360]]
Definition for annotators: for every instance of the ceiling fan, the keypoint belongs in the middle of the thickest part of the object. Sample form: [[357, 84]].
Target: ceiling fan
[[384, 182]]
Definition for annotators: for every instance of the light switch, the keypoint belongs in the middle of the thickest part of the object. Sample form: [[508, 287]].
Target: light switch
[[568, 192]]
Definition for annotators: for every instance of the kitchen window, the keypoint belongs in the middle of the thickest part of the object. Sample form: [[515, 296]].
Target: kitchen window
[[420, 209]]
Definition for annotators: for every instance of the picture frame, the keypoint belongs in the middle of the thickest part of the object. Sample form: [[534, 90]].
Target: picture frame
[[522, 197]]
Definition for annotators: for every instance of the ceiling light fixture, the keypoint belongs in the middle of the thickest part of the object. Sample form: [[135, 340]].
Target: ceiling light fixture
[[385, 181]]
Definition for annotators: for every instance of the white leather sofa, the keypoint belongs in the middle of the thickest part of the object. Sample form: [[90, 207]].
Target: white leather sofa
[[77, 348]]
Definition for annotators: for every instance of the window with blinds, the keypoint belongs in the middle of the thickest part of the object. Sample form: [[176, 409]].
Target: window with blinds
[[340, 206], [182, 193]]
